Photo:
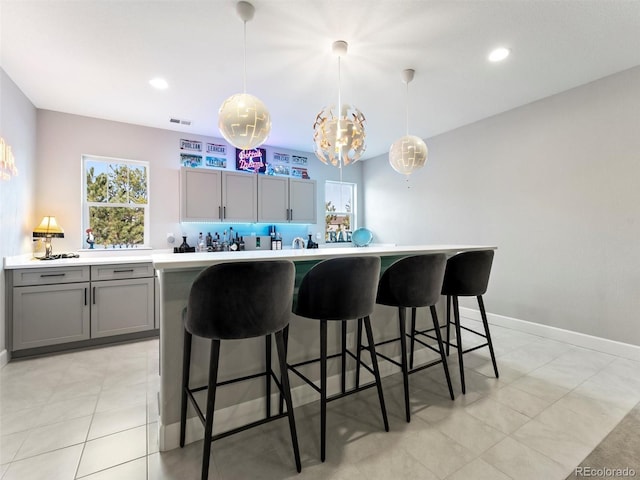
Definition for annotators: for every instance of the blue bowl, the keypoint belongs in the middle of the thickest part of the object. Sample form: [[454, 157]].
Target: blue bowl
[[362, 237]]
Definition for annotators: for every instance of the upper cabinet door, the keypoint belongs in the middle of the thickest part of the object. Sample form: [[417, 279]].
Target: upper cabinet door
[[239, 197], [200, 195], [302, 201], [273, 199]]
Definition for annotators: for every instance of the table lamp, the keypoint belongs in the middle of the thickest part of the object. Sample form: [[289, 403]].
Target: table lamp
[[48, 229]]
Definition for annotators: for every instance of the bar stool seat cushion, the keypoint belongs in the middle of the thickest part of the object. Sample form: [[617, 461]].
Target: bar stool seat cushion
[[413, 281], [218, 309], [467, 274], [338, 289]]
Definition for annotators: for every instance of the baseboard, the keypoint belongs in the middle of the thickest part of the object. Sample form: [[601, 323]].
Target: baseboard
[[253, 410], [4, 358], [591, 342]]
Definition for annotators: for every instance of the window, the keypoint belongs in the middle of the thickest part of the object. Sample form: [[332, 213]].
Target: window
[[115, 202], [340, 211]]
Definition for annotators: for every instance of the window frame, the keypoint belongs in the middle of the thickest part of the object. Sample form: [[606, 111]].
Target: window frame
[[86, 205], [354, 209]]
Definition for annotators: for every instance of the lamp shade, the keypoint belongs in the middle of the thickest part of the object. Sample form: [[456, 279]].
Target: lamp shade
[[408, 154], [48, 228], [244, 121], [339, 140]]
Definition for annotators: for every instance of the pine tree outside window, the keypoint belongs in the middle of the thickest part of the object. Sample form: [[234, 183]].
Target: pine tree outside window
[[340, 211], [115, 202]]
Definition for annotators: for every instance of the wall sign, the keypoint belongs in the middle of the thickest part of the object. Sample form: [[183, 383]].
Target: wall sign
[[254, 160], [8, 167], [192, 145]]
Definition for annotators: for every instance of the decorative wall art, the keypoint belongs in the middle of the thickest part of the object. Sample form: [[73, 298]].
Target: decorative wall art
[[254, 160], [220, 150], [281, 157], [191, 145], [298, 160], [299, 172], [189, 160], [215, 162]]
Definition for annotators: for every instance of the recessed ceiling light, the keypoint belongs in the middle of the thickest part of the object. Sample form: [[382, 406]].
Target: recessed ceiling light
[[159, 83], [499, 54]]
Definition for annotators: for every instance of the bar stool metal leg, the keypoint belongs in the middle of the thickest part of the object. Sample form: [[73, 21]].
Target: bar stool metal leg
[[376, 371], [286, 392], [323, 389], [358, 352], [268, 370], [488, 335], [343, 381], [456, 314], [402, 317], [211, 401], [443, 357], [186, 365], [448, 323], [413, 335]]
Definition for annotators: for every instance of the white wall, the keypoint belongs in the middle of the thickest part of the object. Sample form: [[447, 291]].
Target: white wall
[[556, 186], [64, 138], [18, 128]]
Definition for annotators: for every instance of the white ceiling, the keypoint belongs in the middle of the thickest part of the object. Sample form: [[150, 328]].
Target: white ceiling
[[95, 58]]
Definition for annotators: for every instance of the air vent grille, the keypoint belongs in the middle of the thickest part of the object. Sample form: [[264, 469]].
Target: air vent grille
[[178, 121]]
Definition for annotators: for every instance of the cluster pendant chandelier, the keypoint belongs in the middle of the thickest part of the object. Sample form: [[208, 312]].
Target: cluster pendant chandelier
[[243, 119], [339, 133], [408, 153]]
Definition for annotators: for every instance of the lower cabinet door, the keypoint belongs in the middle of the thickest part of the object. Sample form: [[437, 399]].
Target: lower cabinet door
[[122, 306], [50, 314]]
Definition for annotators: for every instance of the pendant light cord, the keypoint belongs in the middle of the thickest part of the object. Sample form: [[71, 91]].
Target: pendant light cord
[[339, 118], [407, 105], [244, 80]]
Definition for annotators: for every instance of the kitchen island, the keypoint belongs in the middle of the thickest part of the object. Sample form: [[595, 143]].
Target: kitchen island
[[241, 404]]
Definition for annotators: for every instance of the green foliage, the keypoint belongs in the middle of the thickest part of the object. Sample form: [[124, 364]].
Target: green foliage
[[116, 186]]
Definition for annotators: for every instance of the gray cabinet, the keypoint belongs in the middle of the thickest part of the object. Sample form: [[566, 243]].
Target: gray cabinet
[[122, 299], [200, 195], [217, 196], [54, 305], [50, 306], [239, 197], [282, 199]]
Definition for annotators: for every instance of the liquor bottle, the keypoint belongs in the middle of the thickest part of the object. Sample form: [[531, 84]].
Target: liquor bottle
[[201, 245]]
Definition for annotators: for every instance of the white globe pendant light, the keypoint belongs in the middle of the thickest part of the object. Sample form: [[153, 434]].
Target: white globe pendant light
[[243, 119], [408, 153], [338, 133]]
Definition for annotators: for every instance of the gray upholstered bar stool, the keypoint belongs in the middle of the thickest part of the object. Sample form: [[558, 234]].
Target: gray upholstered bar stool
[[339, 289], [219, 308], [413, 282], [467, 275]]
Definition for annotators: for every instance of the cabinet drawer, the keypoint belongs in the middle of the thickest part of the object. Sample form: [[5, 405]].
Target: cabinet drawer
[[49, 276], [121, 271]]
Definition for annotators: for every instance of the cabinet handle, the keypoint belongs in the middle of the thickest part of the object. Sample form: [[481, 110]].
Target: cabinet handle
[[219, 212], [85, 296], [44, 275], [94, 295], [130, 270], [287, 214], [291, 214], [224, 212]]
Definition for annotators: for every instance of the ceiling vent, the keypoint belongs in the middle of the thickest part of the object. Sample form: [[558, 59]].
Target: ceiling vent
[[178, 121]]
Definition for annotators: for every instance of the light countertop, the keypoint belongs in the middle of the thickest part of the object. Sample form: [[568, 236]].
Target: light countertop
[[171, 261], [167, 260]]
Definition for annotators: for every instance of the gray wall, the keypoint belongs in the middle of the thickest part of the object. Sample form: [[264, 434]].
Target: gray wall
[[64, 138], [555, 185], [18, 128]]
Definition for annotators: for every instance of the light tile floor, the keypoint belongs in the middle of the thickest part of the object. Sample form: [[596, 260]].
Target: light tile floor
[[92, 415]]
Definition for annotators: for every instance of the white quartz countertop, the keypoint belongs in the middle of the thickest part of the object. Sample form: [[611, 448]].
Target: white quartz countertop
[[181, 261], [85, 259]]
